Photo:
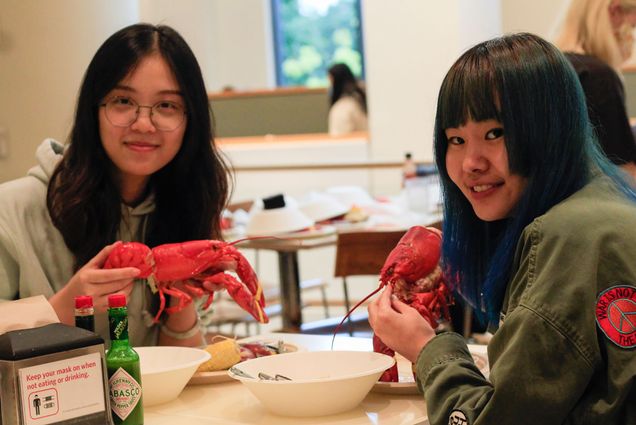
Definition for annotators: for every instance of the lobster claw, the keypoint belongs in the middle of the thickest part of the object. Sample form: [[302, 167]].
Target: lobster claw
[[130, 254]]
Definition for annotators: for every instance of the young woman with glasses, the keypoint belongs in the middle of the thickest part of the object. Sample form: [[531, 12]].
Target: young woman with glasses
[[539, 237], [140, 165]]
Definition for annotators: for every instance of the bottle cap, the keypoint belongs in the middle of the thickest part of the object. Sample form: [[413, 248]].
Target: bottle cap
[[83, 301], [117, 300]]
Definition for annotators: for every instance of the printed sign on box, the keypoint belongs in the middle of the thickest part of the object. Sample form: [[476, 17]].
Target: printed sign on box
[[57, 391]]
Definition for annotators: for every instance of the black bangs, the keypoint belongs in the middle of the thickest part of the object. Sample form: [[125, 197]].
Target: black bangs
[[469, 91]]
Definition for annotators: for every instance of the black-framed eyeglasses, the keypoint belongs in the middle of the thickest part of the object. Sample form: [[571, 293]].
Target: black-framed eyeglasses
[[165, 115]]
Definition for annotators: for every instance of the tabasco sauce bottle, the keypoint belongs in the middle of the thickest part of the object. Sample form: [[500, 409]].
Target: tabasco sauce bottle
[[124, 374]]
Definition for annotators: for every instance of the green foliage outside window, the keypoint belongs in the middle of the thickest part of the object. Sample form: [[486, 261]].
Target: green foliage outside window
[[312, 35]]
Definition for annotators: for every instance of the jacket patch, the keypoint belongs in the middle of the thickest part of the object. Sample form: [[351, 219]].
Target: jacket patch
[[457, 417], [616, 315]]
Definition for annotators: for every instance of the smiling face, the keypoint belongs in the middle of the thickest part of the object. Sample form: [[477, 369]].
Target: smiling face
[[477, 162], [140, 149]]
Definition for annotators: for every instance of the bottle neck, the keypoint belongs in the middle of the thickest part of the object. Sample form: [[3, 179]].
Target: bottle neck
[[85, 311], [118, 325]]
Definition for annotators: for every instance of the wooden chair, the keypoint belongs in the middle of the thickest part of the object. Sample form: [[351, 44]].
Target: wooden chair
[[362, 253]]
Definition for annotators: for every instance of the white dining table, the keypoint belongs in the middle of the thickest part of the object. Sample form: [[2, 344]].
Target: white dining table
[[231, 403]]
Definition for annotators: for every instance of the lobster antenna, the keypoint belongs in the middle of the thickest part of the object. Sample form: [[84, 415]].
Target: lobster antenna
[[251, 238], [375, 291], [256, 238]]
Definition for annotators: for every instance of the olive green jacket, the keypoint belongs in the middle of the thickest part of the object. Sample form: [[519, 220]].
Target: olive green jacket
[[552, 360]]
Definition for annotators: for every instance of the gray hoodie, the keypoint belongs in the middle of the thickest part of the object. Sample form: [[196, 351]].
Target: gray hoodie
[[34, 259]]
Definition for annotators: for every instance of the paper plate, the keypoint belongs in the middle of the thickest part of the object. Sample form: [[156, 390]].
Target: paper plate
[[219, 376], [407, 385]]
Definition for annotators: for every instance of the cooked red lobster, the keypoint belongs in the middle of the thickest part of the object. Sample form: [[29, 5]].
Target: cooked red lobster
[[412, 268], [193, 263]]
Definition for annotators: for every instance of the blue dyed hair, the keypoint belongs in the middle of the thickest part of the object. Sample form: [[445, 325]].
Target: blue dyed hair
[[525, 83]]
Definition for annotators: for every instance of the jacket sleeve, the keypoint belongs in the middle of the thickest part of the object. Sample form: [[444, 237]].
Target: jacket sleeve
[[9, 275], [537, 378], [541, 357]]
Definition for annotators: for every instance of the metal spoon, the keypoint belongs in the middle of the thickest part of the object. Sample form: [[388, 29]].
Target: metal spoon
[[277, 377], [239, 372]]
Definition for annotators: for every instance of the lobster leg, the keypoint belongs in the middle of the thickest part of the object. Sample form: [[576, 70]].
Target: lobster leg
[[182, 297], [391, 374], [162, 305], [427, 305]]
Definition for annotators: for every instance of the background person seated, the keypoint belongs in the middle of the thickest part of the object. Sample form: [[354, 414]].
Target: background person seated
[[348, 111]]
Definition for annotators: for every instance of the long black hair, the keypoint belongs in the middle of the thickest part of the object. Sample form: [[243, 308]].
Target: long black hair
[[527, 84], [190, 191], [344, 83]]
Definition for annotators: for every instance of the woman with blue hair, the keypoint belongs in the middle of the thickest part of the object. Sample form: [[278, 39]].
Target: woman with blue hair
[[539, 237]]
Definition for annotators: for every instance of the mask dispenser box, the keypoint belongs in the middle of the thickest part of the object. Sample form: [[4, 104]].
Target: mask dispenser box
[[53, 374]]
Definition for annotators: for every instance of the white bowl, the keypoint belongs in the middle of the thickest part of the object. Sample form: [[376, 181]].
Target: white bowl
[[350, 195], [277, 221], [165, 371], [319, 206], [290, 201], [322, 382]]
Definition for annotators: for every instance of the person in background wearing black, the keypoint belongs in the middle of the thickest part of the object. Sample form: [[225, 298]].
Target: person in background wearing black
[[597, 37]]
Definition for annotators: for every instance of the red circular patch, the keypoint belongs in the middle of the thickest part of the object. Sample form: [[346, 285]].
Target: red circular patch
[[616, 315]]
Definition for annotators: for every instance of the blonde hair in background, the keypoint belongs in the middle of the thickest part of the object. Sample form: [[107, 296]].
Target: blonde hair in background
[[587, 29]]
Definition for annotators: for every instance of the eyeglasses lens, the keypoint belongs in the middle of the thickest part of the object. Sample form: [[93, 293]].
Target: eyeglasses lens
[[165, 116]]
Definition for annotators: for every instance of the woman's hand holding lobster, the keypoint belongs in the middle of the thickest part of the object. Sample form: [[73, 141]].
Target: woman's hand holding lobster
[[92, 280], [399, 325]]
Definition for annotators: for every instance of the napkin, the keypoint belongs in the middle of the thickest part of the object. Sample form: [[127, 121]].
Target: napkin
[[25, 313]]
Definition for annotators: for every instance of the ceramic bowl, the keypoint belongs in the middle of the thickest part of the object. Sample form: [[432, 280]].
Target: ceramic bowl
[[319, 207], [322, 382], [350, 195], [277, 221], [165, 371]]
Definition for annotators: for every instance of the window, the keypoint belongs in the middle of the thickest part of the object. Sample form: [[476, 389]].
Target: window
[[312, 35]]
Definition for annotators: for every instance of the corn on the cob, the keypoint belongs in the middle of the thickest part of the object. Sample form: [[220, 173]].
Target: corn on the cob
[[225, 354]]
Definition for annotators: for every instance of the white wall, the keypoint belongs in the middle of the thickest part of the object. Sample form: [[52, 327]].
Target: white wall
[[44, 49], [231, 39], [541, 17], [409, 46]]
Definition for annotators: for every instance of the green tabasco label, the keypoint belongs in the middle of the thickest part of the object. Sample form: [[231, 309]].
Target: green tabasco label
[[125, 393], [118, 327]]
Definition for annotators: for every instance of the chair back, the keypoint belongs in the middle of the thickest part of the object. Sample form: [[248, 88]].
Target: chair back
[[364, 252]]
